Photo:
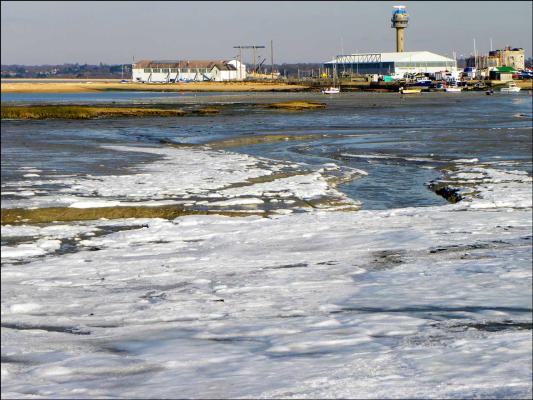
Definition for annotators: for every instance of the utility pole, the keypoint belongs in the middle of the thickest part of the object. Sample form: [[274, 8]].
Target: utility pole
[[253, 51], [475, 54], [240, 64], [271, 60], [249, 47]]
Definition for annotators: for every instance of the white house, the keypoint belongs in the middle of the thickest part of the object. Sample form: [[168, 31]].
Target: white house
[[240, 67], [169, 71]]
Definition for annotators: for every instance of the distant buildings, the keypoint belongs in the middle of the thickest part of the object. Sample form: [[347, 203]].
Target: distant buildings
[[168, 71], [507, 57], [395, 64], [400, 63]]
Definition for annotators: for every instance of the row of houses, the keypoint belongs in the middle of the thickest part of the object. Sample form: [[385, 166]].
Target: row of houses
[[170, 71]]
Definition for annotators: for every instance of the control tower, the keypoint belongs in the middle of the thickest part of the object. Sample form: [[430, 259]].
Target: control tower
[[399, 21]]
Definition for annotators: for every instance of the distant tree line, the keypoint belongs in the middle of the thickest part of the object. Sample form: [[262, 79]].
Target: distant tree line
[[117, 71], [66, 71]]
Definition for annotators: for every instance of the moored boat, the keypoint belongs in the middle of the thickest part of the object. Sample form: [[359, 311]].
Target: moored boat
[[440, 87], [410, 90], [423, 82], [510, 88], [454, 89], [331, 90]]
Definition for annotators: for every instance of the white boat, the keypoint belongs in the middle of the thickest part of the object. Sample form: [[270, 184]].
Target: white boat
[[331, 90], [336, 88], [454, 89], [510, 88]]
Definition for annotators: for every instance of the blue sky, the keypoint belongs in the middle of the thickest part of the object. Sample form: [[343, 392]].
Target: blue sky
[[115, 32]]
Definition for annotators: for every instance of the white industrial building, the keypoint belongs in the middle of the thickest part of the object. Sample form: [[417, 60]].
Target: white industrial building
[[169, 71], [394, 64]]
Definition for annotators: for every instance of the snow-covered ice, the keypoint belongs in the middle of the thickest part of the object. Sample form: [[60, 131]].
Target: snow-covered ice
[[183, 173], [429, 302]]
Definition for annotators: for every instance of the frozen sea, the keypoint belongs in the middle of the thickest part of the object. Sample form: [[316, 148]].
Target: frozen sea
[[345, 274]]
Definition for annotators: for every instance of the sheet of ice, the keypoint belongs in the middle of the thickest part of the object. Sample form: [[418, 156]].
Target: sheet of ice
[[466, 160], [414, 302], [301, 305], [308, 186], [40, 247], [485, 187], [176, 177]]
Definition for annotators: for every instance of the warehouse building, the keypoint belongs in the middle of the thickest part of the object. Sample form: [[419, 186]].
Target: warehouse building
[[395, 64], [169, 71]]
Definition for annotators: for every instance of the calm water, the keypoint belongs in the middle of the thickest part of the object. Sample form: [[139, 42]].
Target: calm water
[[401, 142]]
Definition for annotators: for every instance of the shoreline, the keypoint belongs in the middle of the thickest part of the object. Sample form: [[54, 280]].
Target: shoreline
[[85, 87], [102, 86]]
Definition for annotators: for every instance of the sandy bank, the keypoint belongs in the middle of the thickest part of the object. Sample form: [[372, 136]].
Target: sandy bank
[[84, 112], [47, 215], [111, 111], [77, 87]]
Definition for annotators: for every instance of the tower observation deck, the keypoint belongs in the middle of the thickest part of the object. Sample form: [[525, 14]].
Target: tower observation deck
[[399, 20]]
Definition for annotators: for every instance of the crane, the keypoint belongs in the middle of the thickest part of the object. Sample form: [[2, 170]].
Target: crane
[[260, 65]]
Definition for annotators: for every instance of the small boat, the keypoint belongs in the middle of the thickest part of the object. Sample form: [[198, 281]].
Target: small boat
[[410, 90], [336, 88], [331, 90], [454, 89], [489, 92], [510, 88], [423, 82], [441, 87]]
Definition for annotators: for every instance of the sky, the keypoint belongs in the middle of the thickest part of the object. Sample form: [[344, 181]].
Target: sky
[[49, 32]]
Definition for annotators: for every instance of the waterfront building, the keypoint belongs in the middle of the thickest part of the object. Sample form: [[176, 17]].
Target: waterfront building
[[502, 74], [510, 57], [169, 71], [397, 64]]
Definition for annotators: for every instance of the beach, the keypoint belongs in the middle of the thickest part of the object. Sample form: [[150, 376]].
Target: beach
[[38, 86]]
